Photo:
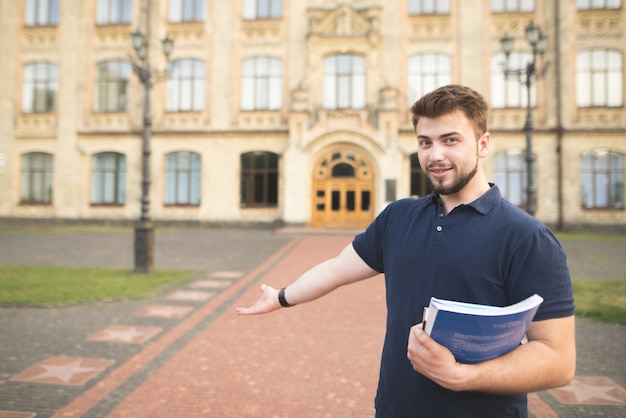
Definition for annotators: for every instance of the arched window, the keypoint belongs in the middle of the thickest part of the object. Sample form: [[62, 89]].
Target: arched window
[[259, 179], [261, 84], [185, 86], [182, 178], [344, 82], [602, 180], [108, 179], [36, 180]]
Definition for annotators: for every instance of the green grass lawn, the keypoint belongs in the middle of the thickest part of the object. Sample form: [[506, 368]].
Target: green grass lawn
[[25, 285], [29, 285], [600, 300]]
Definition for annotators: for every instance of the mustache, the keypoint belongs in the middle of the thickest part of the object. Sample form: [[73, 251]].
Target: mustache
[[438, 166]]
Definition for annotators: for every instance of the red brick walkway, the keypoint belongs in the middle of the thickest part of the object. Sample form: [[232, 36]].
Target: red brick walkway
[[319, 359]]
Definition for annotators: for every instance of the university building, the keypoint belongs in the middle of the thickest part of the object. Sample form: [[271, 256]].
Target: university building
[[298, 112]]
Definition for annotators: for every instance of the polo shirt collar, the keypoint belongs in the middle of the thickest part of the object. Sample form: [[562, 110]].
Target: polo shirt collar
[[483, 204]]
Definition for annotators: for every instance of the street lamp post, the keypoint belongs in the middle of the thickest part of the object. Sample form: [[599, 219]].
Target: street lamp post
[[526, 75], [144, 231]]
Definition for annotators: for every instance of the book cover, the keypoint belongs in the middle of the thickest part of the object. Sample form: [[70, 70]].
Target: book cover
[[475, 333]]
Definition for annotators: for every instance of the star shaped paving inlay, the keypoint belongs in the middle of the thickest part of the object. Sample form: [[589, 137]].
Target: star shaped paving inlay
[[64, 371], [591, 390], [164, 311], [125, 334]]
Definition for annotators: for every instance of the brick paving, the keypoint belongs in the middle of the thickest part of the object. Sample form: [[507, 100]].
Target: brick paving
[[187, 354]]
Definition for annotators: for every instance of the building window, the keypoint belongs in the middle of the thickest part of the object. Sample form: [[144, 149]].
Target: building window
[[187, 11], [420, 185], [262, 9], [112, 81], [114, 12], [259, 179], [510, 92], [261, 84], [108, 179], [40, 88], [598, 4], [500, 6], [426, 73], [185, 86], [509, 174], [182, 178], [600, 78], [423, 7], [344, 82], [602, 180], [36, 181], [42, 12]]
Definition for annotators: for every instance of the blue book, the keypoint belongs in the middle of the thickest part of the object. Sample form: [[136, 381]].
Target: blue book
[[475, 333]]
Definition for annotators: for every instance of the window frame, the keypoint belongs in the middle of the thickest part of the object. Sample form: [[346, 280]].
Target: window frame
[[419, 184], [345, 88], [254, 10], [513, 170], [36, 99], [512, 6], [185, 85], [513, 88], [425, 76], [261, 84], [36, 180], [259, 167], [116, 84], [108, 182], [593, 4], [114, 12], [602, 82], [184, 11], [188, 175], [428, 7], [41, 13], [612, 177]]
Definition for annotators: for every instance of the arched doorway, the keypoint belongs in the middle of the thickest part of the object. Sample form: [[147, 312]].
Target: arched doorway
[[343, 189]]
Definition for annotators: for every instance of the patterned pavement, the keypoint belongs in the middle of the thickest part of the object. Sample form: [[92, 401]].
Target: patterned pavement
[[187, 354]]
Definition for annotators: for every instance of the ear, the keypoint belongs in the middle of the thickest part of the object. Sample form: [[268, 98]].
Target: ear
[[483, 145]]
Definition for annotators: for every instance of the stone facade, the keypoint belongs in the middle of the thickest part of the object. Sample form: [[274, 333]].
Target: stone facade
[[303, 130]]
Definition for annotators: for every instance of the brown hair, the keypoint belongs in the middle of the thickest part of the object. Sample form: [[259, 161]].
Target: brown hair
[[453, 97]]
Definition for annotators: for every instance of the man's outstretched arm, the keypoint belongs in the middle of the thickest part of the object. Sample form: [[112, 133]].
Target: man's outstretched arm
[[347, 267]]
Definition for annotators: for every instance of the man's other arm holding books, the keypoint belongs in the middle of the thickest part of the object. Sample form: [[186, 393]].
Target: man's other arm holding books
[[548, 360]]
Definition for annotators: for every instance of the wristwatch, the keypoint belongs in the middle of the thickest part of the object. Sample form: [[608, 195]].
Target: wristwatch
[[281, 299]]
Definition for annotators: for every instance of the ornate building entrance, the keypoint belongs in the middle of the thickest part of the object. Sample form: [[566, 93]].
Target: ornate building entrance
[[343, 189]]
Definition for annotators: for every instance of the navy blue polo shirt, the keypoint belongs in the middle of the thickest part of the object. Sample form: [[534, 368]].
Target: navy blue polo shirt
[[487, 252]]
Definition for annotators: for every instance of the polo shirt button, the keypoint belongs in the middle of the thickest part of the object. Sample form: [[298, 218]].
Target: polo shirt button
[[439, 228], [441, 215]]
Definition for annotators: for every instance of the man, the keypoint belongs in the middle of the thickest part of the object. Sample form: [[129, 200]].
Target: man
[[464, 242]]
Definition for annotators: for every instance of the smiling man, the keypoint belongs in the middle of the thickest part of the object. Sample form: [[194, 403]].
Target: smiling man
[[463, 242]]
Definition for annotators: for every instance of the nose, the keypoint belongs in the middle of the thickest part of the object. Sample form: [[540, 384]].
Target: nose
[[436, 152]]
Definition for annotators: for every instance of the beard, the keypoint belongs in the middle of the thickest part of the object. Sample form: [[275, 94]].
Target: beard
[[457, 184]]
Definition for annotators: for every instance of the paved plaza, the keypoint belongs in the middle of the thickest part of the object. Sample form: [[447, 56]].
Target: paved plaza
[[186, 353]]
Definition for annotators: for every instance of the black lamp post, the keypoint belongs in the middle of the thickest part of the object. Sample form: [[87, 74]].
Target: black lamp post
[[144, 231], [526, 75]]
